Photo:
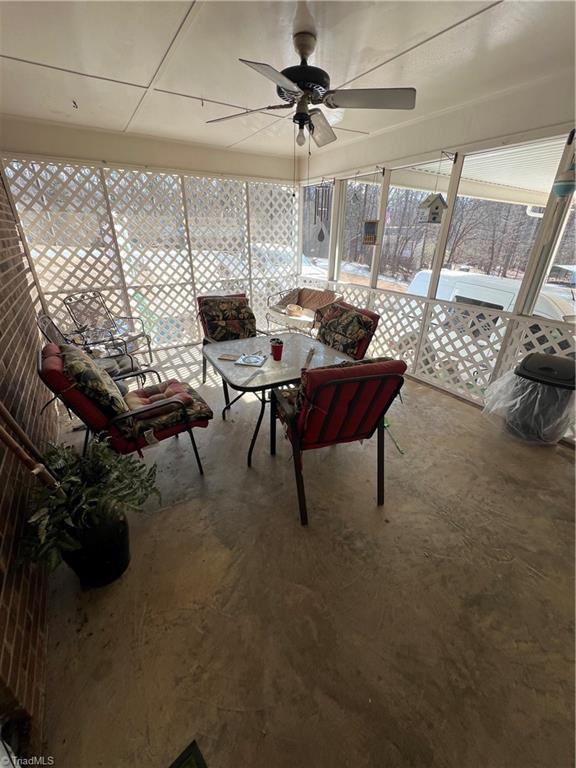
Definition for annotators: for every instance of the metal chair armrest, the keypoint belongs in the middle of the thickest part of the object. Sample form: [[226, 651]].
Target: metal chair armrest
[[137, 319], [139, 372], [278, 295], [144, 410]]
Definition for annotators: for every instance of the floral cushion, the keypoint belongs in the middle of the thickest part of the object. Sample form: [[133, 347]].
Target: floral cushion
[[92, 380], [228, 318], [344, 328], [196, 408]]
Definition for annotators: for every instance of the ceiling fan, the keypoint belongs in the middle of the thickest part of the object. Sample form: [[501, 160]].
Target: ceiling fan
[[302, 86]]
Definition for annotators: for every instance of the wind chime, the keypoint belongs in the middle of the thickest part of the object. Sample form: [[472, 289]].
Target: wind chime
[[322, 203]]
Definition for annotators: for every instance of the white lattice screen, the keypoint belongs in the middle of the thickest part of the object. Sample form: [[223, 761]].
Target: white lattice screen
[[273, 242], [459, 347], [218, 227], [152, 242], [64, 214]]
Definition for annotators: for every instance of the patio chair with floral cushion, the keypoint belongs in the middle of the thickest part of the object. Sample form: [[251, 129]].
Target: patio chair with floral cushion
[[299, 309], [225, 318], [348, 329], [140, 418], [90, 313], [114, 361], [336, 404]]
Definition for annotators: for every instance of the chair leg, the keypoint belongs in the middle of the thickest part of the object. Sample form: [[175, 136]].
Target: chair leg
[[204, 367], [86, 440], [380, 461], [297, 455], [272, 424], [200, 468]]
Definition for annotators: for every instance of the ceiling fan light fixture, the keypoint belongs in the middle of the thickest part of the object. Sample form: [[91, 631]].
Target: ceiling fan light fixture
[[301, 137]]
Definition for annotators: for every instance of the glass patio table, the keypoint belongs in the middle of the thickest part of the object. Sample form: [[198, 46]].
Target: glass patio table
[[243, 378]]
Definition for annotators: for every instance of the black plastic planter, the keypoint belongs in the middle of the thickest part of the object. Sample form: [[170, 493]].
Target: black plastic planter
[[104, 556]]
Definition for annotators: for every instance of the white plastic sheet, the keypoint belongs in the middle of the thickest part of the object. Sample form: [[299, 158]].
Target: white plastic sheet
[[537, 413]]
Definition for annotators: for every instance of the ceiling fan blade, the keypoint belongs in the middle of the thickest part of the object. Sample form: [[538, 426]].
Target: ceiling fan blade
[[322, 132], [273, 74], [249, 112], [371, 98]]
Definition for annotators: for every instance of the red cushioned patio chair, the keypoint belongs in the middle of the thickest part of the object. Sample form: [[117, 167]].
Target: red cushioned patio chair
[[131, 422], [348, 329], [336, 404]]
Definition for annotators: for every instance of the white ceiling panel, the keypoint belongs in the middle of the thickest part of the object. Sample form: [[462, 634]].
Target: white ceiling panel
[[120, 40], [46, 94], [513, 43], [352, 38], [185, 119]]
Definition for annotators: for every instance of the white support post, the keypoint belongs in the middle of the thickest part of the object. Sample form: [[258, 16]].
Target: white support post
[[336, 229], [384, 190], [115, 239], [548, 238], [300, 239], [249, 241], [189, 248], [438, 259]]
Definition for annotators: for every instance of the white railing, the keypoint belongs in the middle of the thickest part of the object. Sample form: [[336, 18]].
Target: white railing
[[458, 347]]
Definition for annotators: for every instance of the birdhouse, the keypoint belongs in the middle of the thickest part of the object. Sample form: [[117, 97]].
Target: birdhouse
[[432, 209]]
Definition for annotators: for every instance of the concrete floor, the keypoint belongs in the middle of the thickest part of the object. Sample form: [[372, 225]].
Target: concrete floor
[[436, 631]]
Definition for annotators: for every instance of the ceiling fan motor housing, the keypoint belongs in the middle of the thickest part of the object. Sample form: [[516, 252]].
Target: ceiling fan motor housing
[[311, 80]]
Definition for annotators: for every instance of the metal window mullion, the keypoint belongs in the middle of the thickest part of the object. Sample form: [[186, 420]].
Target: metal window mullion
[[547, 240], [249, 240], [23, 239], [189, 246], [384, 190], [123, 283], [442, 242]]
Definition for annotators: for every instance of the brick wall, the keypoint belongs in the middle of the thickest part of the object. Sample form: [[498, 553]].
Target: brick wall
[[22, 588]]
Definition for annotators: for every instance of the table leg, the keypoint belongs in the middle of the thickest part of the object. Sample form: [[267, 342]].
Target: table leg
[[262, 397], [230, 403]]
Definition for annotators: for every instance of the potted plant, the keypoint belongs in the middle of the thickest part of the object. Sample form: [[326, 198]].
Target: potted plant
[[84, 523]]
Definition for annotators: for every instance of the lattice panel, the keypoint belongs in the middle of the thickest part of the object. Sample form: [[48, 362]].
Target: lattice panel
[[273, 230], [460, 347], [63, 211], [355, 294], [148, 214], [538, 335], [217, 224], [399, 327], [168, 312]]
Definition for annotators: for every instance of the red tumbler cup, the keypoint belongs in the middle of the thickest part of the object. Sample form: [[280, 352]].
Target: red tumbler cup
[[276, 345]]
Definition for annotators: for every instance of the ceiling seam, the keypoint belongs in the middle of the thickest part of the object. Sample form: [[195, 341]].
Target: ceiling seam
[[202, 99], [422, 42], [71, 71], [163, 61]]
